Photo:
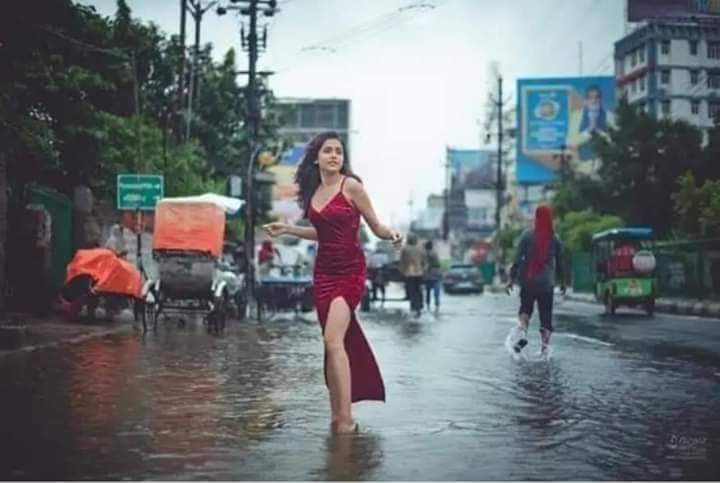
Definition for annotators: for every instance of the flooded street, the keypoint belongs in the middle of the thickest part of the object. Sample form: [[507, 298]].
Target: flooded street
[[613, 402]]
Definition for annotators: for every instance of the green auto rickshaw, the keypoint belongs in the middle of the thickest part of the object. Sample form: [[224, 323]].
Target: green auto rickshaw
[[624, 268]]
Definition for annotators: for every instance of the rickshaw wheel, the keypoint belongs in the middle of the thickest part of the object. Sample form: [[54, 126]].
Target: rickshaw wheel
[[241, 306], [216, 319], [610, 305]]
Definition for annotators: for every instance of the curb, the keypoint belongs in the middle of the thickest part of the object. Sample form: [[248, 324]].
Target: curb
[[709, 309], [22, 336], [680, 307]]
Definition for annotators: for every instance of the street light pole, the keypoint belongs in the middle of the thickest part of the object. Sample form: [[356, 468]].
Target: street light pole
[[251, 41]]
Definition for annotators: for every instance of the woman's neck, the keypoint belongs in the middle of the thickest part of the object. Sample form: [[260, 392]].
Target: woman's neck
[[330, 179]]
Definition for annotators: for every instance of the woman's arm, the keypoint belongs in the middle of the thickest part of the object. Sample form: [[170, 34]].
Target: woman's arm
[[306, 232], [276, 229], [357, 194]]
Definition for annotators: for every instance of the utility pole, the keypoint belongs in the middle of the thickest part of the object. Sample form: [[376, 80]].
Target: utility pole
[[181, 79], [499, 181], [251, 43], [197, 11], [446, 202]]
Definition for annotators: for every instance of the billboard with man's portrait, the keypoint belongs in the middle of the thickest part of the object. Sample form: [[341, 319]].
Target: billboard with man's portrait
[[556, 121]]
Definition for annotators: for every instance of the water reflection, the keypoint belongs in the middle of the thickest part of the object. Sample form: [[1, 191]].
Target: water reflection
[[351, 457]]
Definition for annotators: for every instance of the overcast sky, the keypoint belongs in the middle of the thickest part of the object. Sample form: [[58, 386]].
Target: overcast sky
[[418, 78]]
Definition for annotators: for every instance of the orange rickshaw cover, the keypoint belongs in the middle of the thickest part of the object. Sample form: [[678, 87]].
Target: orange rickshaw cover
[[198, 226], [111, 273]]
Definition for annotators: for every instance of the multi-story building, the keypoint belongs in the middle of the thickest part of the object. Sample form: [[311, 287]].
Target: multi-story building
[[303, 118], [671, 69], [429, 221]]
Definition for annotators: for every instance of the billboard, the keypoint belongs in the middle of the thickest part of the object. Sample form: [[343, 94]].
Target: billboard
[[639, 10], [556, 119], [471, 168]]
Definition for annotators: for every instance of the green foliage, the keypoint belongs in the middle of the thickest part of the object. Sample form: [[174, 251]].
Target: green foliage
[[505, 243], [641, 161], [84, 98], [698, 207], [577, 228]]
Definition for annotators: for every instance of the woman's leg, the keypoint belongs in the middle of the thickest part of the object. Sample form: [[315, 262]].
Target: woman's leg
[[527, 300], [545, 308], [427, 284], [338, 365]]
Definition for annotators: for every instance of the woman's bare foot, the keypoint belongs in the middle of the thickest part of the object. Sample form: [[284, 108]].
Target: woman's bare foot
[[344, 428]]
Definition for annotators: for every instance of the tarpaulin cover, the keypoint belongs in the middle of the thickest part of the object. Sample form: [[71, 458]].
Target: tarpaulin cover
[[196, 226], [111, 273]]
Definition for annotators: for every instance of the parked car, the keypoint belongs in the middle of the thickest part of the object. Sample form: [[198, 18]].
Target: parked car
[[463, 277]]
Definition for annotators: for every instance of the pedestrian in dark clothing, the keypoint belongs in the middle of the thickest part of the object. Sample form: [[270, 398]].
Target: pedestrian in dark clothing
[[537, 262], [412, 266]]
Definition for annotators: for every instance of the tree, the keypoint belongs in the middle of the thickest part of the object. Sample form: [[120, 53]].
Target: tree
[[505, 243], [577, 228], [697, 207], [641, 160]]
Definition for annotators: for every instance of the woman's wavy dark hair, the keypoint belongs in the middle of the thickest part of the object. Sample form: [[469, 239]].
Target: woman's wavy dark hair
[[307, 175]]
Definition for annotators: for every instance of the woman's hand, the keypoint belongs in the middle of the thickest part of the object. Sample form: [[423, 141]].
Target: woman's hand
[[276, 229], [396, 238]]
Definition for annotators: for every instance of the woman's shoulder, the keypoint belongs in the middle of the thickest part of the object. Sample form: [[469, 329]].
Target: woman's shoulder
[[352, 183]]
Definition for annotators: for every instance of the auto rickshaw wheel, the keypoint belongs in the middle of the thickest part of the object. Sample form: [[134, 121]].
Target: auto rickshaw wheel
[[650, 308]]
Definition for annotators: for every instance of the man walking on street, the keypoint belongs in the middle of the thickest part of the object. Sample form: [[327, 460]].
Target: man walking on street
[[412, 266]]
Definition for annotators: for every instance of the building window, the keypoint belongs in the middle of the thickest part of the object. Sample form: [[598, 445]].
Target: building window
[[665, 106], [695, 107], [693, 47], [642, 83], [633, 58], [713, 80], [634, 85], [713, 50], [642, 54], [325, 116], [665, 76], [714, 110], [665, 47], [694, 77]]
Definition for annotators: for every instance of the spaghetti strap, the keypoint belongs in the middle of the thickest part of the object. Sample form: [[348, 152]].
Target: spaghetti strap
[[342, 183]]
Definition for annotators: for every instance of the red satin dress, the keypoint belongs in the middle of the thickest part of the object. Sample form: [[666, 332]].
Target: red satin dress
[[340, 272]]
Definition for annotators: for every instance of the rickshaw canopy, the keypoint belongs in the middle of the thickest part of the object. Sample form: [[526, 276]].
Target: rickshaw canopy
[[624, 234], [195, 223]]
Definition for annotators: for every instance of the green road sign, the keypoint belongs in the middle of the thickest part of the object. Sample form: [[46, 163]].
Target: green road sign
[[139, 191]]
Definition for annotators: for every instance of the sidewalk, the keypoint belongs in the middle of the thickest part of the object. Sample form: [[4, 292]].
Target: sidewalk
[[26, 333], [668, 305]]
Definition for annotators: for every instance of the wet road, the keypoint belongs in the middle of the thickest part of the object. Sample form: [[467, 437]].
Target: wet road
[[622, 397]]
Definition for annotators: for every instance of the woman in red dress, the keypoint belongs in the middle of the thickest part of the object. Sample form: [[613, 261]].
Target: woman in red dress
[[333, 199]]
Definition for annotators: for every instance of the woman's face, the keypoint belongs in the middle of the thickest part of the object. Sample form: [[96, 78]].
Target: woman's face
[[331, 156]]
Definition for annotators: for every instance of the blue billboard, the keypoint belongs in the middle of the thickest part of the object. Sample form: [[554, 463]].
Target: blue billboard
[[556, 119]]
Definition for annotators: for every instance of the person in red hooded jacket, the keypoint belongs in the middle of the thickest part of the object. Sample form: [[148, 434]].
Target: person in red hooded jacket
[[538, 261]]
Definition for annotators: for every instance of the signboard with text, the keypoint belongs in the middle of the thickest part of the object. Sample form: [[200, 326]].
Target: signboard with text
[[139, 191]]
